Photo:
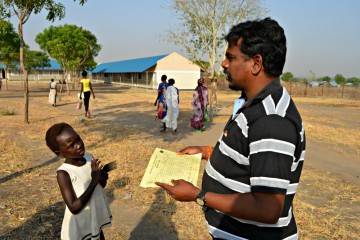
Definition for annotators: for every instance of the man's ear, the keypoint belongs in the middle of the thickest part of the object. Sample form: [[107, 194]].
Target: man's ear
[[257, 64]]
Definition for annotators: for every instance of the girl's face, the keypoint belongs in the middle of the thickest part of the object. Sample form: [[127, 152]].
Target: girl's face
[[70, 144]]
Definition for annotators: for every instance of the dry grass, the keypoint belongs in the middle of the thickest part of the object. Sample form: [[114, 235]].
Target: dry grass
[[31, 205]]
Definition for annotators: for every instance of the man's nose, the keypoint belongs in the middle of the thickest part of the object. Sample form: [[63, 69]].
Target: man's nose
[[224, 63]]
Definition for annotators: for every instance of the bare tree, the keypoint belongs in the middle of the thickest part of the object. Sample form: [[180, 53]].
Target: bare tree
[[204, 24]]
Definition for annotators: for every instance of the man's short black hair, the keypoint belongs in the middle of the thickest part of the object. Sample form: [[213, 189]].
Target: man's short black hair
[[51, 134], [171, 81], [264, 37], [163, 78], [84, 73]]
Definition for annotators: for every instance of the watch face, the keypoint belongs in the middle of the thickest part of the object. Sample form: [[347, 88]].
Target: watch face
[[200, 201]]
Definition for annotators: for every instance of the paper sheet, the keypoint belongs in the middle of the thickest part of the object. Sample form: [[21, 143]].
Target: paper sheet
[[166, 165]]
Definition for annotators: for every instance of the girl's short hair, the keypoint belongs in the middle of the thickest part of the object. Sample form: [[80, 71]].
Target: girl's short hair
[[51, 134]]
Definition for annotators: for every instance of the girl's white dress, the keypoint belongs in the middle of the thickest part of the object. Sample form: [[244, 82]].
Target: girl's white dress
[[95, 216]]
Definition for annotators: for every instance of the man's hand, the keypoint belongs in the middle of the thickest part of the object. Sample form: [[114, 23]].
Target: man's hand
[[181, 190], [193, 150], [190, 150]]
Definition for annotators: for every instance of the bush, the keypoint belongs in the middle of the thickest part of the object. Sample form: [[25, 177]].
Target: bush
[[7, 112]]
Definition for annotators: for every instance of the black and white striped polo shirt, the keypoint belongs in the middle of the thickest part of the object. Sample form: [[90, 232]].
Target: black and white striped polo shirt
[[261, 150]]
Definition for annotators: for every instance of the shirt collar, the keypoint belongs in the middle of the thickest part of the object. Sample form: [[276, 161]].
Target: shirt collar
[[266, 91]]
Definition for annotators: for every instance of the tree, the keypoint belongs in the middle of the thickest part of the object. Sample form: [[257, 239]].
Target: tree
[[287, 76], [205, 66], [23, 10], [72, 46], [204, 24], [9, 47], [35, 60], [354, 80], [326, 79], [341, 80], [311, 75]]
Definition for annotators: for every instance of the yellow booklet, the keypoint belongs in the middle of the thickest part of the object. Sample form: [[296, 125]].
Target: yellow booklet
[[166, 165]]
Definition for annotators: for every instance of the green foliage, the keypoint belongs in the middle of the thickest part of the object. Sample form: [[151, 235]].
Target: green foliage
[[354, 80], [72, 46], [326, 79], [287, 76], [205, 66], [22, 9], [7, 112], [340, 79], [36, 60], [9, 44]]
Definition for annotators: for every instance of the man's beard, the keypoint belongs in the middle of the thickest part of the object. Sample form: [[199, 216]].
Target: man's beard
[[230, 80]]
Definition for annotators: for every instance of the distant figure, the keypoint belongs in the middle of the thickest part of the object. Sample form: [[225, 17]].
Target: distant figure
[[81, 181], [52, 93], [172, 105], [0, 83], [160, 99], [87, 89], [199, 104]]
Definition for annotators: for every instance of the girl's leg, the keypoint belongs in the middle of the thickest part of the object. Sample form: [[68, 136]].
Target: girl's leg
[[102, 237], [86, 103]]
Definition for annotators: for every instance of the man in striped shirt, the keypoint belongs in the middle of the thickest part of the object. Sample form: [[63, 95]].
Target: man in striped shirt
[[253, 171]]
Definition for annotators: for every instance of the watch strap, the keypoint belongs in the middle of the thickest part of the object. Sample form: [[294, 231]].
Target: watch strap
[[201, 195]]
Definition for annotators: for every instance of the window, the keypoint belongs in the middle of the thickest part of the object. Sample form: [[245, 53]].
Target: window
[[139, 76], [127, 75]]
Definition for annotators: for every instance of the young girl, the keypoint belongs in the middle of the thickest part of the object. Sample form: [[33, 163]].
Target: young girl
[[81, 183]]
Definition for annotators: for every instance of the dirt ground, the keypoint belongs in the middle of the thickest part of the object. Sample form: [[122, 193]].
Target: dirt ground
[[134, 218]]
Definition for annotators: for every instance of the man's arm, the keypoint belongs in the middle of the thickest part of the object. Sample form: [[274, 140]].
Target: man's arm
[[255, 206]]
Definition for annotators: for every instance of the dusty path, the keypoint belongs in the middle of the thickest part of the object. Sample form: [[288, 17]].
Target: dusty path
[[131, 219]]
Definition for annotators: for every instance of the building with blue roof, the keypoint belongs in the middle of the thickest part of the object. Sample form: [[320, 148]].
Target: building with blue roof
[[146, 72], [53, 71]]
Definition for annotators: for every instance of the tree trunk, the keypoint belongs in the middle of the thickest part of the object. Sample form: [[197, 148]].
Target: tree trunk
[[342, 92], [24, 70], [305, 92], [290, 87], [213, 95], [6, 79], [61, 89]]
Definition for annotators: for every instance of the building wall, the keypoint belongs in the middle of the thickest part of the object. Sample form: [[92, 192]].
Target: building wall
[[184, 72], [175, 66], [16, 75]]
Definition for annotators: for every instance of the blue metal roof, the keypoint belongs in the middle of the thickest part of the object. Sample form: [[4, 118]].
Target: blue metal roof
[[127, 66], [54, 65]]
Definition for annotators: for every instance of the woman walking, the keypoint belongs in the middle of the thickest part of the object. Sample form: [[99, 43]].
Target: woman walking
[[52, 93], [172, 105], [87, 89], [199, 104]]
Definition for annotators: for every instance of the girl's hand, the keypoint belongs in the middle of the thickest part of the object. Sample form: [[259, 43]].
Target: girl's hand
[[96, 170]]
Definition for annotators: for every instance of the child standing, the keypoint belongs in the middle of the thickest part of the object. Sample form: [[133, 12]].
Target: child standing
[[81, 183]]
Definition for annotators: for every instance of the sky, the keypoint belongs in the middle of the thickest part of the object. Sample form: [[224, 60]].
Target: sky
[[323, 36]]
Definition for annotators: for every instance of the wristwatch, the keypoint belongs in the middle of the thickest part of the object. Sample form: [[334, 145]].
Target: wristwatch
[[200, 199]]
